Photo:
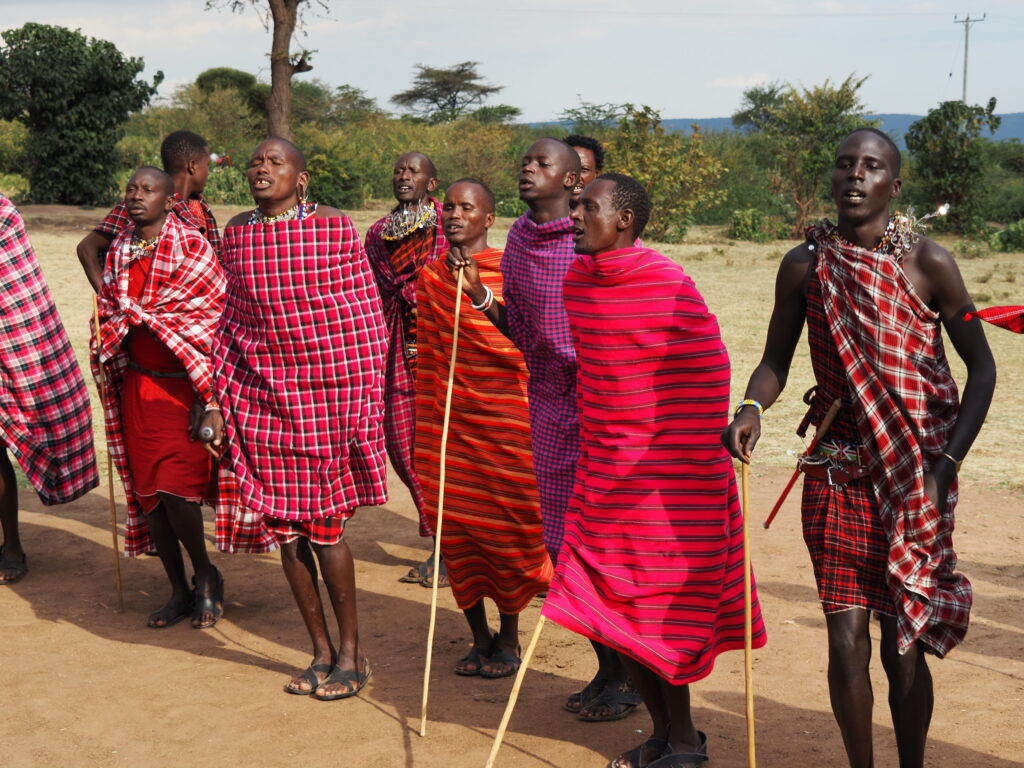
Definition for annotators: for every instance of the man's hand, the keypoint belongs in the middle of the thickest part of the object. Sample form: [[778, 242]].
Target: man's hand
[[937, 482], [458, 257], [214, 420], [742, 434]]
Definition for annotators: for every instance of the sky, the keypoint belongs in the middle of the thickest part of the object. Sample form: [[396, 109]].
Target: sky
[[686, 58]]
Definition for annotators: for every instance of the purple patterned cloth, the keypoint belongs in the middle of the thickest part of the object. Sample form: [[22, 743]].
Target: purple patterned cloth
[[536, 260]]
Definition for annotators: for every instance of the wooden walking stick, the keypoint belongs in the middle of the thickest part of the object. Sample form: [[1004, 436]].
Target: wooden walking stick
[[440, 508], [514, 696], [110, 460], [748, 620], [825, 424]]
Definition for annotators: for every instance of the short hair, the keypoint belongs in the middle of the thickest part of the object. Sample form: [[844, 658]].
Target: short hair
[[588, 142], [165, 177], [299, 154], [897, 155], [629, 193], [487, 190], [179, 147], [430, 163]]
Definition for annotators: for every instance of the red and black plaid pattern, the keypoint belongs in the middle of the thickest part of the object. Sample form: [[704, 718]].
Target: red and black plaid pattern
[[118, 219], [396, 267], [299, 367], [848, 546], [324, 531], [536, 260], [905, 402], [181, 305], [45, 418]]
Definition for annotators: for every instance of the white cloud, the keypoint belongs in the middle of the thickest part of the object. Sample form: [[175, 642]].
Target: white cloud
[[739, 81]]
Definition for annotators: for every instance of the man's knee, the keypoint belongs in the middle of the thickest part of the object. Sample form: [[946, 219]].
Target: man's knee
[[849, 646]]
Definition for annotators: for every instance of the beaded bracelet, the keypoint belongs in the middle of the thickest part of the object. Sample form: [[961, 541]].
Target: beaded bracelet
[[484, 305], [744, 403], [211, 407]]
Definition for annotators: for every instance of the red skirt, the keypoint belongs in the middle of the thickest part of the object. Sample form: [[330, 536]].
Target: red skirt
[[323, 531], [847, 544]]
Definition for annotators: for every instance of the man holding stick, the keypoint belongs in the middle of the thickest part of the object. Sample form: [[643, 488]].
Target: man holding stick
[[491, 538], [652, 562], [880, 488]]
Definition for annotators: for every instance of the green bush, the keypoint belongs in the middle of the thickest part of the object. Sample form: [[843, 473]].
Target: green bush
[[1010, 239], [752, 224], [228, 186], [13, 186]]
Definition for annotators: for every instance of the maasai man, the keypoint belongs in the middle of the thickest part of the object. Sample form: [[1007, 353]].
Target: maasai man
[[186, 157], [162, 296], [537, 255], [45, 420], [591, 160], [879, 495], [399, 246], [299, 369], [491, 537], [652, 562]]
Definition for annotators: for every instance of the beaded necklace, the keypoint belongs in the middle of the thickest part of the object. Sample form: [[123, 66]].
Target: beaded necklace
[[402, 222], [140, 248], [296, 213], [898, 238]]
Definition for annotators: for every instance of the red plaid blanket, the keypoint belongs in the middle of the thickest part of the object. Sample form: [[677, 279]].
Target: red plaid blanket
[[906, 403], [118, 219], [181, 304], [299, 368], [44, 406]]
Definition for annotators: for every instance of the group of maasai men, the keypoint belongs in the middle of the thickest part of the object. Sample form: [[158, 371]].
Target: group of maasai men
[[589, 459]]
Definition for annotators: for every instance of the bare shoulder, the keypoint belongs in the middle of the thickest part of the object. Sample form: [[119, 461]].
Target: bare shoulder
[[327, 212], [930, 256], [239, 219], [799, 261]]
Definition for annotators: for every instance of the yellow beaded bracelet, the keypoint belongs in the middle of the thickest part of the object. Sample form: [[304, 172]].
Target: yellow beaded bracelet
[[744, 403]]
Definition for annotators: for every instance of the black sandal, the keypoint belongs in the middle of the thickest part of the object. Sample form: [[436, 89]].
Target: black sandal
[[585, 695], [618, 701], [309, 674], [478, 656], [209, 604], [356, 679], [635, 755], [683, 759]]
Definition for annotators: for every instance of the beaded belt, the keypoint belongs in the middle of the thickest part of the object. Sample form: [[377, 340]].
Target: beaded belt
[[837, 462], [157, 374]]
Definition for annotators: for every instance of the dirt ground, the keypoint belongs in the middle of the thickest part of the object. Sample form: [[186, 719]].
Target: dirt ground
[[86, 685]]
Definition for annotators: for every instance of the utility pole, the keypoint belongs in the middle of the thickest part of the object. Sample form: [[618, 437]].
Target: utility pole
[[967, 34]]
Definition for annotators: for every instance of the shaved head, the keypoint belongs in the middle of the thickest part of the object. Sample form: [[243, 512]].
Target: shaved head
[[290, 150], [159, 175], [427, 162], [561, 152]]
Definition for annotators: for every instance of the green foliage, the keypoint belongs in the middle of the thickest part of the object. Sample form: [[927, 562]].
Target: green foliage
[[499, 113], [13, 186], [441, 94], [597, 120], [13, 147], [679, 175], [803, 132], [757, 110], [949, 160], [73, 94], [751, 179], [752, 224], [1004, 180], [228, 186], [223, 78], [1010, 239]]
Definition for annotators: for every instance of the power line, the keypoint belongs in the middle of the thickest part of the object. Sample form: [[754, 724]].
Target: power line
[[967, 33]]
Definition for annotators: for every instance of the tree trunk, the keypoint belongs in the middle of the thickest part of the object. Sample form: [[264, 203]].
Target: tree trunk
[[279, 105]]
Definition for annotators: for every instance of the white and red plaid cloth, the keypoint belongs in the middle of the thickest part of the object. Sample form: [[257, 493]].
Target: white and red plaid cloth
[[906, 404], [299, 367], [45, 418], [181, 305]]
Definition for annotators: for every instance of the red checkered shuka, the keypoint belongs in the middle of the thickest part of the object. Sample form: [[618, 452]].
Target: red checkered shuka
[[396, 267], [203, 220], [299, 367], [181, 305], [906, 404], [45, 418]]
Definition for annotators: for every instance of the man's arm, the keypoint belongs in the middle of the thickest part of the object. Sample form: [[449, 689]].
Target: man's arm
[[769, 377], [474, 288], [91, 253], [951, 299]]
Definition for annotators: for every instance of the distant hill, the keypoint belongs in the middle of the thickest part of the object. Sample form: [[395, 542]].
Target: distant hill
[[896, 125]]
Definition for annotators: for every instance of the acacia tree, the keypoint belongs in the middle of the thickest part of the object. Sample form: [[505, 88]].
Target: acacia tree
[[801, 128], [441, 95], [74, 95], [949, 158], [679, 175], [284, 17]]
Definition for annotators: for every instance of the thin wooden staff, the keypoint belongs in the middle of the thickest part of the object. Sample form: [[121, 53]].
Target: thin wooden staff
[[110, 460], [825, 424], [514, 696], [440, 508], [748, 620]]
